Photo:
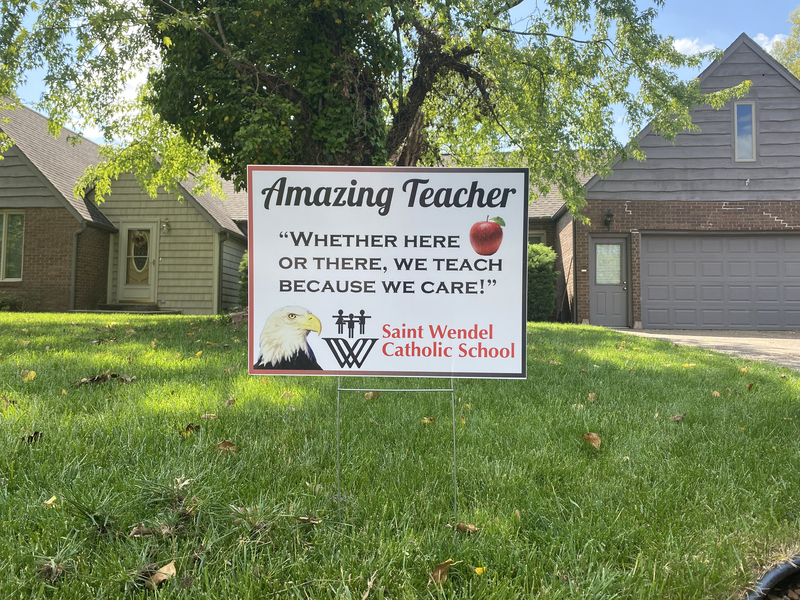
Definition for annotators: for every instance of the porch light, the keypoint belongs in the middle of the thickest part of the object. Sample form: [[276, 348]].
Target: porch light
[[165, 226], [608, 220]]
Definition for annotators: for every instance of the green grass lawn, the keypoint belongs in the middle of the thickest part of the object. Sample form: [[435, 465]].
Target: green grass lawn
[[665, 509]]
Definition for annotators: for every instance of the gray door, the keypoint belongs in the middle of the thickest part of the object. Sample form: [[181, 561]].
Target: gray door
[[608, 282], [721, 281]]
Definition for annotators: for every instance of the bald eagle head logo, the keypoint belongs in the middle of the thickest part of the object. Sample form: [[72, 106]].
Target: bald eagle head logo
[[283, 340]]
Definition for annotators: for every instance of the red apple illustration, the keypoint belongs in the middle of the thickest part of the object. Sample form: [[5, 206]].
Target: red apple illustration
[[486, 236]]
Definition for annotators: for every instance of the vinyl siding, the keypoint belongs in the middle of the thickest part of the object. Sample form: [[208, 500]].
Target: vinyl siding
[[232, 252], [699, 166], [21, 186], [184, 255]]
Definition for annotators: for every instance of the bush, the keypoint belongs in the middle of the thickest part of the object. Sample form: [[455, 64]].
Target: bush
[[541, 282], [243, 295], [9, 303]]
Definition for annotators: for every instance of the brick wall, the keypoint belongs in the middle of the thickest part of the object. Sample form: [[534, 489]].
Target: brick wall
[[566, 250], [630, 218], [92, 273], [47, 261]]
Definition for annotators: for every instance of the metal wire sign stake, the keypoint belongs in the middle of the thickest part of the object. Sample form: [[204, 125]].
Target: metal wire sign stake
[[340, 389]]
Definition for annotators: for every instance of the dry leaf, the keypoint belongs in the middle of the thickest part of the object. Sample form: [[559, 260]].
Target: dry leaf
[[153, 343], [428, 420], [783, 376], [288, 396], [140, 531], [34, 437], [63, 392], [102, 378], [160, 576], [578, 406], [310, 519], [554, 362], [230, 401], [480, 570], [197, 355], [678, 417], [593, 439], [208, 416], [518, 515], [749, 386], [190, 429], [689, 364], [226, 446], [592, 397], [371, 395], [463, 420], [656, 416], [27, 375], [715, 393], [467, 528], [744, 369], [228, 370], [374, 422], [439, 575], [128, 330], [467, 406], [50, 503]]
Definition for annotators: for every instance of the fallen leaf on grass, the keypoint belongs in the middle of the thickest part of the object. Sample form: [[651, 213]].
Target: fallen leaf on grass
[[226, 446], [467, 528], [228, 370], [577, 406], [34, 437], [749, 386], [27, 375], [428, 420], [230, 401], [744, 369], [103, 377], [129, 330], [678, 417], [518, 515], [50, 503], [153, 343], [163, 574], [593, 439], [480, 570], [310, 520], [104, 340], [6, 401], [715, 393], [783, 376], [554, 362], [371, 395], [374, 422], [140, 531], [208, 416], [439, 575], [592, 397], [197, 355], [288, 396], [689, 365], [190, 429], [463, 420]]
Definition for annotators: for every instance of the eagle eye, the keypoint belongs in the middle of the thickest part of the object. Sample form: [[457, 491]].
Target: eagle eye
[[292, 316]]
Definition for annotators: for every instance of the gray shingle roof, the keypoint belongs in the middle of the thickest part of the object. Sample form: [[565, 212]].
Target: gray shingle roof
[[546, 207], [57, 159], [224, 212]]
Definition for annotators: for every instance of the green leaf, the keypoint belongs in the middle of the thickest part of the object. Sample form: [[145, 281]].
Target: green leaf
[[499, 221]]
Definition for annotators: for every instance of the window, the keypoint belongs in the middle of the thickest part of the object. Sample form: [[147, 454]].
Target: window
[[12, 226], [537, 237], [745, 144]]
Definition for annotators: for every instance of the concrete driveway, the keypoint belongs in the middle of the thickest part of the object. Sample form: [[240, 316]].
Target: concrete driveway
[[780, 347]]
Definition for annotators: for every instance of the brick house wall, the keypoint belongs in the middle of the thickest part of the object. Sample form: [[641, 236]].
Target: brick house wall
[[632, 217], [47, 262], [566, 254], [92, 273]]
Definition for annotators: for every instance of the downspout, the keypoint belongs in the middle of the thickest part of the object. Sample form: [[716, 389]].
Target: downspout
[[73, 288], [574, 271], [221, 268]]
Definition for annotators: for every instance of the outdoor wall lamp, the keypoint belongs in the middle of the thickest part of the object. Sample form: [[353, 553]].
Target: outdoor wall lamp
[[608, 220], [165, 226]]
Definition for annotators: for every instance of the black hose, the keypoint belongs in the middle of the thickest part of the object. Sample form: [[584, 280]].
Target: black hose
[[774, 577]]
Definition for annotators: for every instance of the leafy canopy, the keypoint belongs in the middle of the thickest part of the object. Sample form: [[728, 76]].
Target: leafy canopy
[[788, 51], [350, 82]]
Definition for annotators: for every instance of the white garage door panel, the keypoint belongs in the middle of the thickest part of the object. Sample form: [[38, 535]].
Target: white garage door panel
[[720, 281]]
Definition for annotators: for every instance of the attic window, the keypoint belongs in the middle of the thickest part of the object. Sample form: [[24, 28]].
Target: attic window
[[745, 131]]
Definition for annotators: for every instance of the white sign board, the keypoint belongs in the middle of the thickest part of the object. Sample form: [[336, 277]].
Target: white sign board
[[387, 271]]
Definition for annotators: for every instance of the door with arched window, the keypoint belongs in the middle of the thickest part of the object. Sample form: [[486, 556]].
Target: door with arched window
[[137, 264]]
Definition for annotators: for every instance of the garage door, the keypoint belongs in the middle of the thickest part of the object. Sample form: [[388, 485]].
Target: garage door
[[720, 281]]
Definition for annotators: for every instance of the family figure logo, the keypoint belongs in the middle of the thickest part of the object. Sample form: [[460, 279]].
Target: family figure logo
[[351, 353]]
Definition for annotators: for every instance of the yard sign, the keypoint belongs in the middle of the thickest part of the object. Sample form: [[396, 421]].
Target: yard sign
[[387, 271]]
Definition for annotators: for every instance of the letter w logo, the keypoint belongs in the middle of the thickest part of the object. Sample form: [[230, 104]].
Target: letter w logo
[[347, 355]]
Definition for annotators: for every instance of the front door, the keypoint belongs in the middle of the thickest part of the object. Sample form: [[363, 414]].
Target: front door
[[137, 268], [608, 282]]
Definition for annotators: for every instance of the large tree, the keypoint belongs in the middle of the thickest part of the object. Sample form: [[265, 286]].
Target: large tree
[[351, 82], [788, 50]]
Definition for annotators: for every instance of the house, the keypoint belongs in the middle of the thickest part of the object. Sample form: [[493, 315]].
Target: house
[[59, 253], [704, 234]]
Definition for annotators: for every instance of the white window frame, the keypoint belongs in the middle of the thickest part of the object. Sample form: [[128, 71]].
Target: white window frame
[[4, 241], [736, 131], [541, 233]]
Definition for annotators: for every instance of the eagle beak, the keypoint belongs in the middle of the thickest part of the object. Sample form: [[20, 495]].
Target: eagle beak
[[312, 323]]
